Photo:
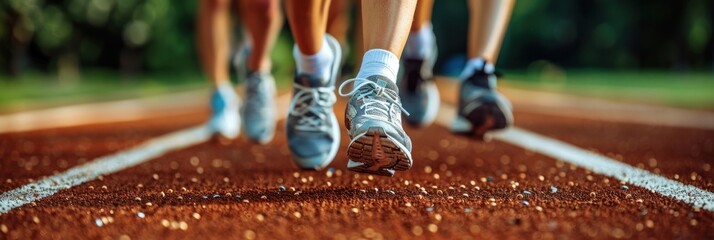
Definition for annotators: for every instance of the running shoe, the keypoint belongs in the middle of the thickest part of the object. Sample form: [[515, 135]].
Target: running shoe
[[224, 118], [417, 89], [481, 108], [259, 107], [240, 59], [373, 119], [312, 128]]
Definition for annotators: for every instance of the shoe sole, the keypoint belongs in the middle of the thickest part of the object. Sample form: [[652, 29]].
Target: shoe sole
[[374, 152]]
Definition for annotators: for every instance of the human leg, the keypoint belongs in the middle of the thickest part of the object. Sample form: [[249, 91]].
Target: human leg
[[262, 20], [378, 144], [481, 107], [417, 90], [312, 127], [213, 40], [488, 21], [338, 18]]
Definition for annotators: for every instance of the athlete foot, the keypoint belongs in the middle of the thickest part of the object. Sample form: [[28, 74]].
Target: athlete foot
[[224, 118], [259, 108], [312, 128], [378, 143], [417, 89], [481, 108]]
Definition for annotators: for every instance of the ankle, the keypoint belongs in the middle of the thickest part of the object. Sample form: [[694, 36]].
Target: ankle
[[477, 64], [318, 64], [419, 43], [379, 62]]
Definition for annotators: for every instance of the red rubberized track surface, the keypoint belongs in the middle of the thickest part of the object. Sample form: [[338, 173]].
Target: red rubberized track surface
[[458, 188]]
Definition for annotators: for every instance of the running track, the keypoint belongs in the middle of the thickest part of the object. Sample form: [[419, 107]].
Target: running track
[[552, 177]]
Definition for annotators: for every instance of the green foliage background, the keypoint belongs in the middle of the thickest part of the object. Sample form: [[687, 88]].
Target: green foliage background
[[157, 36]]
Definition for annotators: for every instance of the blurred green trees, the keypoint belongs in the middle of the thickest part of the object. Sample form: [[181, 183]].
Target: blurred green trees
[[129, 35], [636, 34], [133, 36]]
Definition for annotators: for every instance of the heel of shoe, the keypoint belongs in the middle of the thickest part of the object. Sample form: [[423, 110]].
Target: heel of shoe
[[374, 152]]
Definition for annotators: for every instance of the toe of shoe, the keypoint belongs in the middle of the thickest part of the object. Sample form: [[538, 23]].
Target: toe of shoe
[[262, 137], [316, 162], [311, 152], [260, 134], [227, 130]]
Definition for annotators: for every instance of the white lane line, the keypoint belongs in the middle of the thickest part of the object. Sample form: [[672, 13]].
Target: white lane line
[[103, 166], [116, 162], [688, 194], [158, 146]]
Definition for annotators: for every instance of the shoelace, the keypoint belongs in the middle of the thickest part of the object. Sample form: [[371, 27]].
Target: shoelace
[[315, 100], [368, 91]]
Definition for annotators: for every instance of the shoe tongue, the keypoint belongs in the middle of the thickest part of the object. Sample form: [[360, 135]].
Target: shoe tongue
[[384, 82], [310, 81]]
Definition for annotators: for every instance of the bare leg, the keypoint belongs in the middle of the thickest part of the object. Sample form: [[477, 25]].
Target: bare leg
[[418, 93], [378, 143], [213, 39], [308, 20], [312, 128], [488, 21], [213, 45], [386, 24], [421, 38], [422, 15], [263, 20], [481, 107], [338, 20], [359, 34]]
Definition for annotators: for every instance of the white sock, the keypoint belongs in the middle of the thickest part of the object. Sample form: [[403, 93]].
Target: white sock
[[379, 62], [319, 64], [476, 63], [419, 43]]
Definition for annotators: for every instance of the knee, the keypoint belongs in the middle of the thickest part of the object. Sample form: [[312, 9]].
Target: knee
[[268, 9], [216, 5]]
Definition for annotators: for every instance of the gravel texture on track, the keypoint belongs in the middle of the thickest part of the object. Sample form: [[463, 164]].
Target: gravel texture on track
[[458, 188]]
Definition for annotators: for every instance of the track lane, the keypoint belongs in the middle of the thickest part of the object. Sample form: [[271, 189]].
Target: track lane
[[29, 156], [253, 172], [681, 154]]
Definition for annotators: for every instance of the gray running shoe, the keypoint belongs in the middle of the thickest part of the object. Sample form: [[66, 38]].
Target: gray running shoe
[[374, 121], [417, 89], [481, 108], [312, 128], [259, 109], [240, 58], [224, 118]]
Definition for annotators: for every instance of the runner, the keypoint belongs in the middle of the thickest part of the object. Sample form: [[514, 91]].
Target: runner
[[481, 108], [378, 144], [262, 20]]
